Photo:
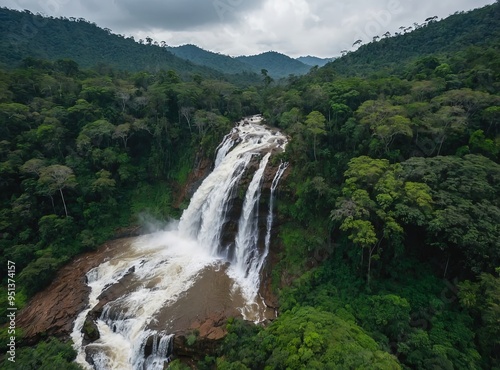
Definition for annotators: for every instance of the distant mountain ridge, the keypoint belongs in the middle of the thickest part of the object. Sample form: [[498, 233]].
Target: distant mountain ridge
[[278, 65], [219, 62], [314, 61]]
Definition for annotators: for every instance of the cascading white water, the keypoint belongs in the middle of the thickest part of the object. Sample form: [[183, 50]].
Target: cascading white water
[[270, 216], [225, 146], [160, 268], [246, 257]]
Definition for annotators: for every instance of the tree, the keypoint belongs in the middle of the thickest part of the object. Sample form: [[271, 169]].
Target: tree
[[465, 208], [34, 165], [375, 205], [267, 79], [482, 299], [104, 184], [385, 120], [13, 119], [56, 178], [205, 120], [444, 123], [290, 118], [315, 124], [96, 133], [187, 113], [470, 101], [478, 142], [51, 134], [123, 132], [492, 116]]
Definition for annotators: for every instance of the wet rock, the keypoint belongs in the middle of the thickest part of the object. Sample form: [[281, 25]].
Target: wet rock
[[202, 339], [53, 311], [90, 331], [128, 232]]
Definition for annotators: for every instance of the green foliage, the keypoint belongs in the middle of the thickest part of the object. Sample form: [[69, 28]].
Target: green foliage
[[52, 354], [306, 338], [39, 273], [153, 200], [482, 300], [219, 62], [398, 189], [178, 365], [315, 124]]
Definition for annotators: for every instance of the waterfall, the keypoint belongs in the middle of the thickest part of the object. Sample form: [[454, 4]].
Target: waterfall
[[270, 216], [246, 257], [224, 147], [145, 280]]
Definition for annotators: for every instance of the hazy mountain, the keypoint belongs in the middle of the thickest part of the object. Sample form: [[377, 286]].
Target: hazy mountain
[[219, 62], [314, 61], [278, 65]]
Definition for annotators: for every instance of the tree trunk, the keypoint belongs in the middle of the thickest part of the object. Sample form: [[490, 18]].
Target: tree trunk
[[52, 201], [314, 148], [64, 203], [446, 268], [441, 145], [368, 275]]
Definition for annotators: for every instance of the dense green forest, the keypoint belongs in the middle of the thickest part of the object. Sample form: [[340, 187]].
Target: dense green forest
[[390, 52], [389, 236], [24, 34], [84, 152]]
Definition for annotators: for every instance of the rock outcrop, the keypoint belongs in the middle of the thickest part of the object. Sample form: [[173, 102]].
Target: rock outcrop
[[52, 311]]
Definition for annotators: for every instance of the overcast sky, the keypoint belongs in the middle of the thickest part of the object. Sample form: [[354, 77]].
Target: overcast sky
[[246, 27]]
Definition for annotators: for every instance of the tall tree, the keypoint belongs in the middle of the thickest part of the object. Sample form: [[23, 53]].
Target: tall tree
[[315, 124], [56, 178]]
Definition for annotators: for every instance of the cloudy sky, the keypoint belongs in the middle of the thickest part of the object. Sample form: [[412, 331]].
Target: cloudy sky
[[246, 27]]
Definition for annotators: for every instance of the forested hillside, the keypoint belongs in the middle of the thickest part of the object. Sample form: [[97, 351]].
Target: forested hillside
[[479, 27], [23, 34], [389, 240]]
